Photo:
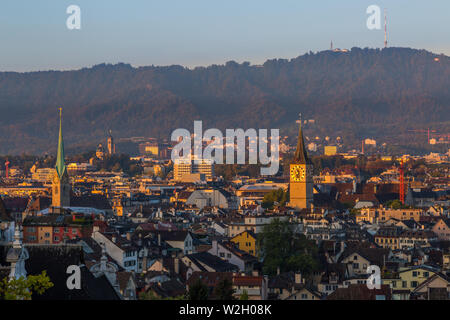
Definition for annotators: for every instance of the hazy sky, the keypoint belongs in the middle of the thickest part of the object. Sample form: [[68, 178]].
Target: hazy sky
[[34, 35]]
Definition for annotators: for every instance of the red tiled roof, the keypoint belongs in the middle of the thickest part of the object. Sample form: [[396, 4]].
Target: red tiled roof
[[247, 280]]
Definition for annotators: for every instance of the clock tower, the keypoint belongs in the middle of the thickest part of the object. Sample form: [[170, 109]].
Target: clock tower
[[301, 176]]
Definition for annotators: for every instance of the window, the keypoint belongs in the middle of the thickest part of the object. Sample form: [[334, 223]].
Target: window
[[222, 255], [413, 284], [426, 274], [74, 231], [356, 266], [394, 284], [56, 238], [355, 258], [414, 274], [47, 234], [404, 284], [56, 230], [304, 296]]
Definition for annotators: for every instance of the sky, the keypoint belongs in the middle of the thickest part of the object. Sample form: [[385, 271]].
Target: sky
[[34, 35]]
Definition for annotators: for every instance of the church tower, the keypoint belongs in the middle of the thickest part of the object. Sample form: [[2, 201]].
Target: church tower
[[60, 184], [301, 176], [110, 143]]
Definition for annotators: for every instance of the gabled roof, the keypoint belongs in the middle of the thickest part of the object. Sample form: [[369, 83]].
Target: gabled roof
[[360, 292], [166, 289], [211, 261], [375, 255], [430, 280], [55, 259], [96, 201], [123, 277], [211, 279]]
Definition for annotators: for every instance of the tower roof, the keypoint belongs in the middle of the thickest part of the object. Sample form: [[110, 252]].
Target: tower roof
[[60, 164], [301, 157]]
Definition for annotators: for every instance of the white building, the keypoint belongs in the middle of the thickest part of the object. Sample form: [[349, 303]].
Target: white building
[[196, 170], [121, 250]]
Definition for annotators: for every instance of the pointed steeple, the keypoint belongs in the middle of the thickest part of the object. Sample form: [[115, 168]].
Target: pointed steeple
[[301, 157], [60, 164]]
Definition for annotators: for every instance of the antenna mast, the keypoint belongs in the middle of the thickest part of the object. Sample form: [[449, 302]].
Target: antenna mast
[[385, 29]]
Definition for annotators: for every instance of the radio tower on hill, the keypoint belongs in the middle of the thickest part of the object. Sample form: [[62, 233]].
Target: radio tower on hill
[[385, 29]]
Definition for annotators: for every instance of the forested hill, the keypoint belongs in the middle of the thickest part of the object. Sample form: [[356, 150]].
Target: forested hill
[[362, 92]]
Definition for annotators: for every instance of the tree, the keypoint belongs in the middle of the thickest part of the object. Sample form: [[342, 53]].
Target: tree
[[244, 295], [396, 204], [198, 291], [282, 248], [224, 290], [280, 196], [150, 295], [23, 288]]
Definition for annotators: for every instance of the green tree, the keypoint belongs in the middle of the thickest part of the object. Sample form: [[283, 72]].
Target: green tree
[[396, 204], [198, 291], [280, 196], [224, 290], [23, 288], [282, 248], [244, 295], [151, 296]]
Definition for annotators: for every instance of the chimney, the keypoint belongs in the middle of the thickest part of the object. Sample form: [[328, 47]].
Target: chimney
[[129, 236], [298, 278], [176, 265]]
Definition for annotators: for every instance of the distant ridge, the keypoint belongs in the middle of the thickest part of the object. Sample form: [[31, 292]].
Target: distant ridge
[[361, 92]]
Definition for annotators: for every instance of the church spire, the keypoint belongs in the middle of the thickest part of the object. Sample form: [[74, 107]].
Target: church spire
[[60, 164], [301, 157]]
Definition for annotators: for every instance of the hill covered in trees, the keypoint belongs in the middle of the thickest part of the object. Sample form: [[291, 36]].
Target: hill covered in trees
[[364, 92]]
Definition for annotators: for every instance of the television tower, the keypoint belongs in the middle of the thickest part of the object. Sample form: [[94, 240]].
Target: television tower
[[385, 29]]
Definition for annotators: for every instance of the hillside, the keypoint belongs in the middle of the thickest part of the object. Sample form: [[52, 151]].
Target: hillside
[[365, 92]]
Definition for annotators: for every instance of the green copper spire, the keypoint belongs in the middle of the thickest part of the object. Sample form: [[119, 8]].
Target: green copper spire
[[301, 157], [60, 164]]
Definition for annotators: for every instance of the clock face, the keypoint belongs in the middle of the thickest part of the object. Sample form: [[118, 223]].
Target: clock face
[[298, 173]]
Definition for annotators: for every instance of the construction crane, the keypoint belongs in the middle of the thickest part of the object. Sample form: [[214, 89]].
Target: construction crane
[[427, 131]]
